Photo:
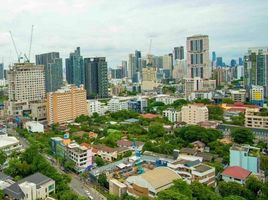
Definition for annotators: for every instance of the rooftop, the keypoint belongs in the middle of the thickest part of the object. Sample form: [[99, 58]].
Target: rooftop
[[155, 180], [202, 168], [236, 172], [37, 178], [7, 140], [150, 116]]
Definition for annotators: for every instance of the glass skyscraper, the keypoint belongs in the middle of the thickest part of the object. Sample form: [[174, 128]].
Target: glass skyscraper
[[75, 68], [53, 70], [96, 77], [256, 68], [1, 71]]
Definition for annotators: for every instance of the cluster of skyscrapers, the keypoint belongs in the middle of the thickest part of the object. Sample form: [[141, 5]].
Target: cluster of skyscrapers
[[30, 83]]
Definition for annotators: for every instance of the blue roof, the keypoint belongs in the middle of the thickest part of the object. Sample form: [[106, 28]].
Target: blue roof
[[132, 120]]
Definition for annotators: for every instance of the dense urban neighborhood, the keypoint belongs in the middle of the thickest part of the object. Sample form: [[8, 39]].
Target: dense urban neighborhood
[[180, 123]]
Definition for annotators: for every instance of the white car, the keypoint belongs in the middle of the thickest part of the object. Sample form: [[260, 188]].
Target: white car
[[89, 195]]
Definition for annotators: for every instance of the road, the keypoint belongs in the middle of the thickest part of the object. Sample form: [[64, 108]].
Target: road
[[77, 185]]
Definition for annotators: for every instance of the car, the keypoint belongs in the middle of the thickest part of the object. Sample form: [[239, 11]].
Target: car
[[89, 195]]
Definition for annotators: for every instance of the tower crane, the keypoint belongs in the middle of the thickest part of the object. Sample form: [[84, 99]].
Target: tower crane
[[27, 57], [30, 48], [15, 47]]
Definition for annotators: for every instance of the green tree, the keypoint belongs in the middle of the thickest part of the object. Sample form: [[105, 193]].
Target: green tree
[[215, 112], [192, 133], [243, 136], [234, 197], [3, 157], [102, 180], [171, 194], [264, 162], [228, 101], [156, 130], [69, 165], [254, 185], [1, 194], [203, 192], [179, 103], [99, 161], [232, 188]]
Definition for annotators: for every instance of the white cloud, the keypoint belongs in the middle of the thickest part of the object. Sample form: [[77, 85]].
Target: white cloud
[[116, 28]]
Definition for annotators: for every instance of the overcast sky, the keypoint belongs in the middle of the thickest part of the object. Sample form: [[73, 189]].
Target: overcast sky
[[115, 28]]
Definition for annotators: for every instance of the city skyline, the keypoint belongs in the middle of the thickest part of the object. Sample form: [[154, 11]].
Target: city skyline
[[113, 30]]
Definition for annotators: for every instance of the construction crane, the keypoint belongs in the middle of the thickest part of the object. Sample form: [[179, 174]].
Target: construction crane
[[30, 48], [27, 58], [15, 47]]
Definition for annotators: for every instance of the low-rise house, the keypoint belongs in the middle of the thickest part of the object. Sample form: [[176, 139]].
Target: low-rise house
[[9, 144], [198, 146], [208, 124], [5, 181], [34, 127], [151, 182], [105, 152], [245, 156], [117, 188], [188, 151], [92, 134], [235, 174], [191, 169], [166, 99], [207, 157], [150, 116], [238, 95], [172, 115], [81, 154], [130, 145], [33, 187], [254, 119]]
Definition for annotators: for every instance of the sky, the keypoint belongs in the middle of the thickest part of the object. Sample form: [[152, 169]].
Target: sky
[[115, 28]]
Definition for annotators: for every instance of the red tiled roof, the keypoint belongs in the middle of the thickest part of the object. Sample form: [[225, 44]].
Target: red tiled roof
[[235, 109], [150, 116], [241, 105], [236, 172], [85, 145]]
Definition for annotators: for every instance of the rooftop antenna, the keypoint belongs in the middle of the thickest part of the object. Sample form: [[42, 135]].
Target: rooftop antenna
[[15, 47]]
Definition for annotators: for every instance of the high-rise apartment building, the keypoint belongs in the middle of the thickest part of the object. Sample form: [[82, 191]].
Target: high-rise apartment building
[[179, 53], [149, 81], [96, 77], [26, 82], [1, 71], [214, 57], [167, 62], [198, 56], [192, 114], [256, 95], [233, 63], [124, 68], [131, 69], [53, 70], [26, 85], [256, 67], [219, 62], [66, 104], [135, 64], [75, 68]]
